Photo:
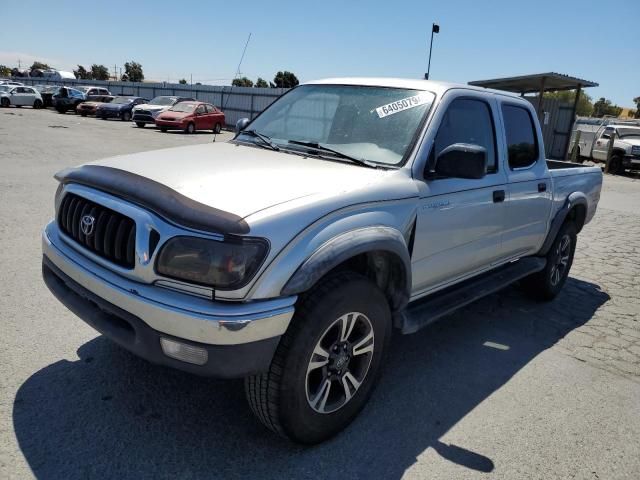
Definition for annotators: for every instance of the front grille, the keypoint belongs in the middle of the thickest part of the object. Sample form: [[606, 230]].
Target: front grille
[[112, 236], [143, 112]]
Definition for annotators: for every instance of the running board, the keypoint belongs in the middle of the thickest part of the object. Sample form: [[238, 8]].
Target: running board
[[429, 309]]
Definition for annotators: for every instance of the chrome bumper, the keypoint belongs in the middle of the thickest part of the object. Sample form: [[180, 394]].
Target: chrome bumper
[[167, 311]]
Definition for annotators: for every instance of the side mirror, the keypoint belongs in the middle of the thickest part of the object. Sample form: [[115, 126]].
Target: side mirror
[[462, 160], [242, 124]]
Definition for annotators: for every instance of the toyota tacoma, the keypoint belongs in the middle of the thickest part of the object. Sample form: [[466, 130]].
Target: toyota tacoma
[[288, 255]]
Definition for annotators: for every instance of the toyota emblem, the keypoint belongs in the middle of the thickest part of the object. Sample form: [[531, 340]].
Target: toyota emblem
[[87, 222]]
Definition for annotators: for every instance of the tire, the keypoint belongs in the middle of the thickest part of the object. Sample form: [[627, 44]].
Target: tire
[[292, 398], [37, 103], [547, 283], [125, 116], [140, 124], [163, 129], [191, 128], [61, 110], [5, 103], [83, 114], [217, 128], [615, 165]]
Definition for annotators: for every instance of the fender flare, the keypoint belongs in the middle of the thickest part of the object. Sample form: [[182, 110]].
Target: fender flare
[[348, 245], [573, 200]]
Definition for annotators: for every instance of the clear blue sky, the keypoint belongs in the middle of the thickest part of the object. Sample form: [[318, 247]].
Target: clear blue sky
[[590, 39]]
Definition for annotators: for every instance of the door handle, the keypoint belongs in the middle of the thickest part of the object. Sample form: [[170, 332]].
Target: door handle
[[498, 196], [542, 187]]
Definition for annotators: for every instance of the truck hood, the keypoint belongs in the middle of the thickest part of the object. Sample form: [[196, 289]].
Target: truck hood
[[243, 180], [631, 142]]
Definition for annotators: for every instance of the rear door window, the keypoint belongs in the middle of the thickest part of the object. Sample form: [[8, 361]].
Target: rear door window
[[522, 141]]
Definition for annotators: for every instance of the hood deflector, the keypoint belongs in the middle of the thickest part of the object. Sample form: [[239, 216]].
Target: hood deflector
[[154, 196]]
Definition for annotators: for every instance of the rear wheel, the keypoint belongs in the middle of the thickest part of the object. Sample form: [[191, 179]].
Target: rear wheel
[[5, 102], [140, 124], [327, 363], [217, 128], [37, 103], [191, 128], [547, 283]]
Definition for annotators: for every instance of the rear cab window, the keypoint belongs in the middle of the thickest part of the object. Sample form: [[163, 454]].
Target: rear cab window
[[522, 140]]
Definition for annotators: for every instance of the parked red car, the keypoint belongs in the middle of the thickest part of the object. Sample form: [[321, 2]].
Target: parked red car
[[191, 116]]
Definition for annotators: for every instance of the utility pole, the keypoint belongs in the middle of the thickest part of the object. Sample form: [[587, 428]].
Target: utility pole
[[115, 72], [435, 28]]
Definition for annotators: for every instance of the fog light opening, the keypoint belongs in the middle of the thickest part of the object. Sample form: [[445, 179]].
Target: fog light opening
[[184, 352]]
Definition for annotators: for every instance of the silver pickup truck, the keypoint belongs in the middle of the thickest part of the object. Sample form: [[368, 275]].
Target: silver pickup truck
[[348, 208]]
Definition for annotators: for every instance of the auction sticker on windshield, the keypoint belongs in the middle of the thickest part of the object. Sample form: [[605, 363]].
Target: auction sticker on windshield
[[402, 105]]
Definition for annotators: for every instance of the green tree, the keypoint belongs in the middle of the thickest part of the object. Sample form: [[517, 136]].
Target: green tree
[[585, 103], [39, 66], [242, 82], [285, 80], [261, 83], [4, 71], [182, 81], [604, 107], [637, 112], [82, 73], [99, 72], [133, 71]]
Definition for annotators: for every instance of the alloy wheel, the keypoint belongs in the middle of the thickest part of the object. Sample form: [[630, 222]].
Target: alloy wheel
[[339, 362], [563, 250]]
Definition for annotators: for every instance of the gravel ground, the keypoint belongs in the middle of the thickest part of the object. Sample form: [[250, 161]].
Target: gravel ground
[[506, 388]]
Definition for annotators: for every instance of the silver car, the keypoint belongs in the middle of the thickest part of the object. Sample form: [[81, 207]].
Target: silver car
[[20, 96]]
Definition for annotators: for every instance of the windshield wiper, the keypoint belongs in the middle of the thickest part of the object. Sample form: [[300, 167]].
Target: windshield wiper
[[323, 148], [266, 139]]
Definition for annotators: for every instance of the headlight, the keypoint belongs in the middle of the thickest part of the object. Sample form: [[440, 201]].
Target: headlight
[[635, 149], [155, 113], [224, 265]]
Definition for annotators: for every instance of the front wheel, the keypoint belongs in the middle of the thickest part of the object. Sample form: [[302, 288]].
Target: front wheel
[[37, 103], [191, 128], [217, 128], [547, 283], [5, 102], [615, 165], [327, 363], [163, 129], [126, 116], [140, 124]]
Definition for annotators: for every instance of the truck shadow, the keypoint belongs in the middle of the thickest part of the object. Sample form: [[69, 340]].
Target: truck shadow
[[112, 415]]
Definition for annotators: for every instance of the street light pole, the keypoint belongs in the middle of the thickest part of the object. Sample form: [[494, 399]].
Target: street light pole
[[435, 28]]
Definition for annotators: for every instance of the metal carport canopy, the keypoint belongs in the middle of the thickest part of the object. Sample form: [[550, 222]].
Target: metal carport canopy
[[548, 82]]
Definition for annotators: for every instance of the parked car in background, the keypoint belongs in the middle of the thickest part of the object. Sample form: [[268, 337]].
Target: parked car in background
[[96, 94], [594, 143], [10, 82], [120, 107], [67, 99], [47, 92], [89, 108], [20, 96], [190, 117], [147, 112]]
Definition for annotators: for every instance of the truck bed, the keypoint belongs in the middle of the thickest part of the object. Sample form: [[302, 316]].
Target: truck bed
[[570, 178]]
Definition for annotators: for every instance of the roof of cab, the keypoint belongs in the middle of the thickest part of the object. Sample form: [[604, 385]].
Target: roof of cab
[[428, 85]]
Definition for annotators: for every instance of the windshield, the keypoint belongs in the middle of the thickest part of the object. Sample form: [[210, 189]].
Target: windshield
[[163, 101], [184, 107], [122, 100], [5, 88], [376, 124], [628, 132]]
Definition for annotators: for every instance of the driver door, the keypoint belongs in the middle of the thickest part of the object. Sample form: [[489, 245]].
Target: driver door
[[459, 221]]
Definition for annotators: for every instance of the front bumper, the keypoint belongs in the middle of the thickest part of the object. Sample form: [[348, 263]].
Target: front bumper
[[631, 161], [240, 338], [171, 124], [108, 113], [142, 117]]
